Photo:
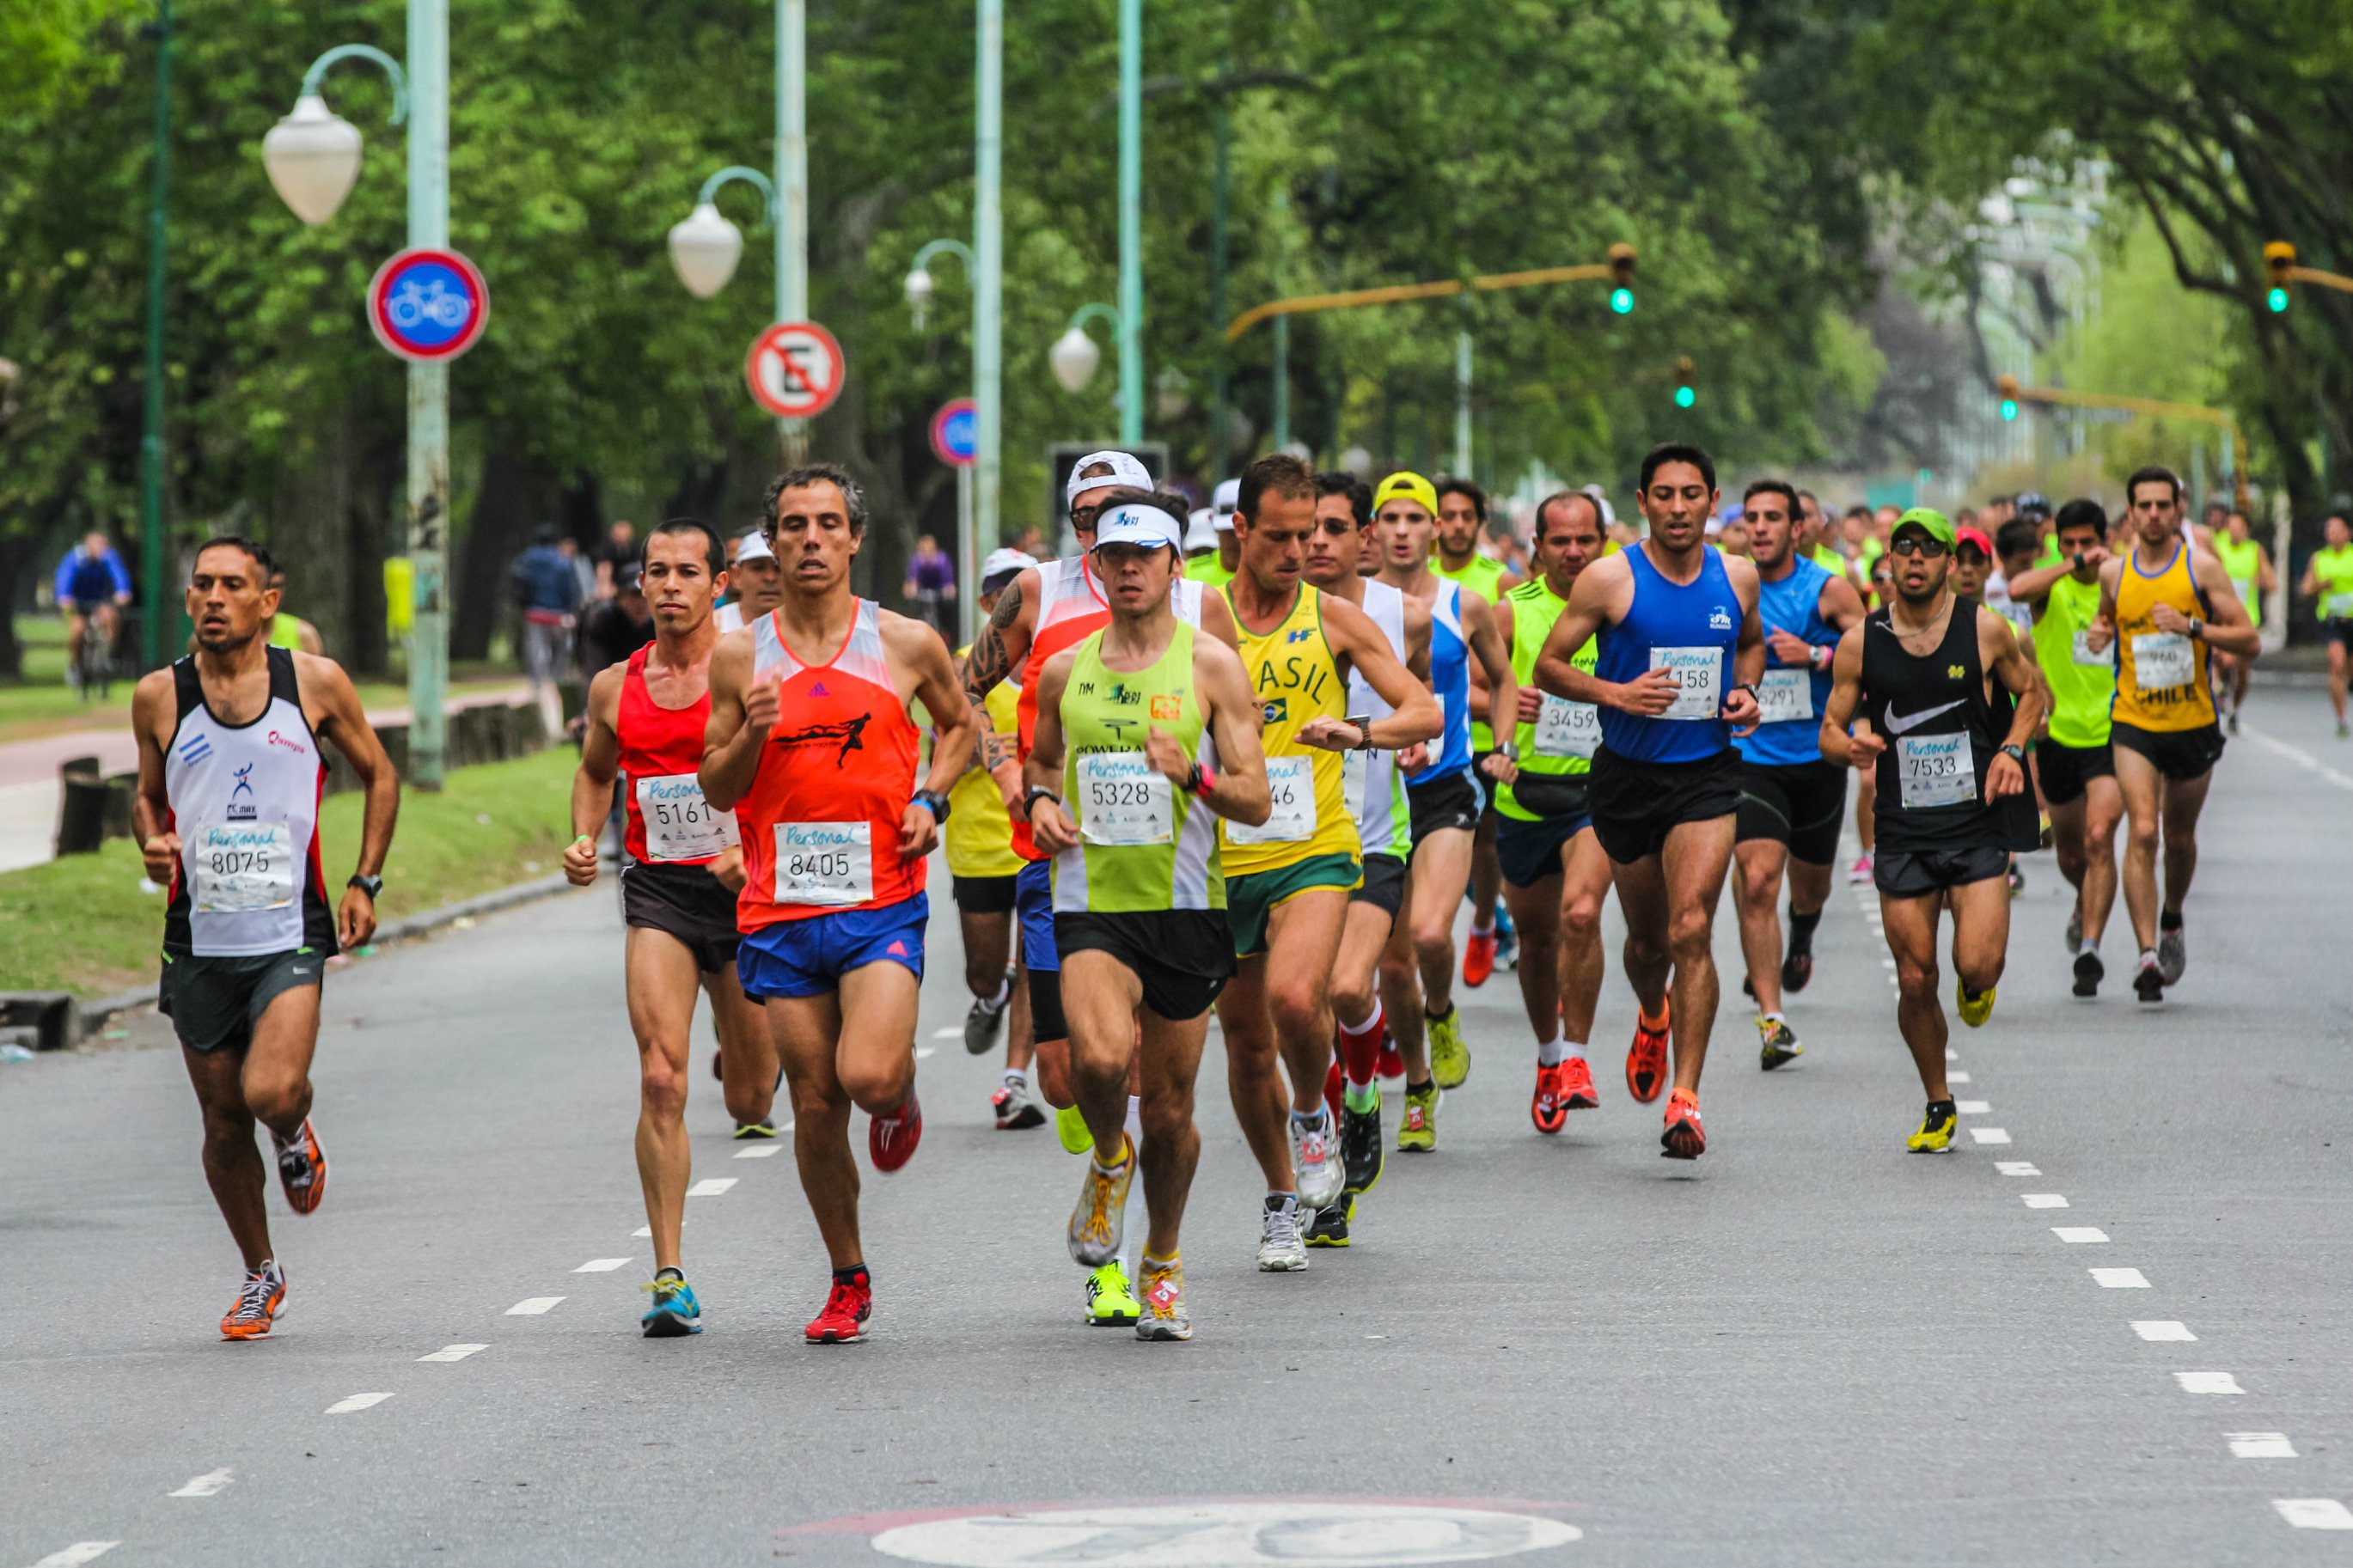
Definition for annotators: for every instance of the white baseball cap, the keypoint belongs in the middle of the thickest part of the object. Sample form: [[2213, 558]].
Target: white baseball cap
[[753, 548], [1601, 504], [1201, 530], [1126, 470], [1228, 497], [1002, 562], [1132, 522]]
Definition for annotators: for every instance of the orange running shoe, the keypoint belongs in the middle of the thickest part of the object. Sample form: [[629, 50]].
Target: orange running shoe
[[258, 1302], [1646, 1059], [1478, 959], [891, 1139], [847, 1307], [302, 1168], [1684, 1138], [1577, 1083], [1549, 1108]]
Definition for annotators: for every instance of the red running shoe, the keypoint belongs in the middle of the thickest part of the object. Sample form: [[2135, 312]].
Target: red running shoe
[[1392, 1062], [1577, 1083], [1646, 1059], [891, 1139], [847, 1307], [1684, 1138], [1549, 1108], [1478, 959], [302, 1168]]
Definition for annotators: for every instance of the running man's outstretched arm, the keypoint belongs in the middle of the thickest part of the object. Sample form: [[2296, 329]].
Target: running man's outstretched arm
[[347, 728], [2033, 585], [592, 782], [743, 711], [1049, 824], [1861, 748], [1354, 637], [1740, 707], [1590, 600]]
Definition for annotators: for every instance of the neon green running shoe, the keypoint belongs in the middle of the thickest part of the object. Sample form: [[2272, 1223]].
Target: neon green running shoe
[[1072, 1129], [1974, 1010], [1418, 1131], [1110, 1303], [1450, 1059]]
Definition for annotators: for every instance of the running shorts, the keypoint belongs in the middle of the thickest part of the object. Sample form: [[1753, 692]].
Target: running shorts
[[1800, 804], [2338, 631], [1384, 884], [1252, 899], [985, 895], [1183, 957], [2064, 772], [685, 901], [1636, 805], [2177, 754], [215, 1002], [1033, 896], [1530, 851], [1916, 873], [807, 957], [1454, 800], [1487, 811]]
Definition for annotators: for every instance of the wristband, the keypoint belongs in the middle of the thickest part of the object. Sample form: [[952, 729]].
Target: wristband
[[584, 839], [1201, 781]]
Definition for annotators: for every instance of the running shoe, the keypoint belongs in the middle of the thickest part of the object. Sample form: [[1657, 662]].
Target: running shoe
[[2075, 927], [891, 1139], [718, 1064], [1099, 1219], [302, 1168], [847, 1305], [1577, 1081], [1330, 1226], [1797, 972], [2172, 953], [1392, 1061], [2149, 983], [2234, 721], [1450, 1059], [674, 1312], [1778, 1043], [1936, 1129], [763, 1127], [1861, 870], [1280, 1248], [1507, 942], [1110, 1303], [1684, 1138], [1072, 1129], [2089, 973], [1646, 1059], [2343, 730], [1016, 1106], [1548, 1108], [2017, 879], [1478, 959], [1974, 1010], [982, 1025], [1315, 1162], [1163, 1301], [260, 1300], [1362, 1152], [1418, 1133]]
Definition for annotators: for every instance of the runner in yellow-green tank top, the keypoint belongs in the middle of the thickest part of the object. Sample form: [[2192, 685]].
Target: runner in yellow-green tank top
[[2328, 580]]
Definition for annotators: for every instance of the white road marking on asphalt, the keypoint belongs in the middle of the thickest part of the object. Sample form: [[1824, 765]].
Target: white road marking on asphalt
[[643, 1231], [1889, 962], [955, 1033], [82, 1552], [760, 1152], [601, 1266], [1990, 1134], [210, 1484], [2017, 1167], [2164, 1329], [2208, 1383], [1957, 1078], [2080, 1233], [1973, 1107], [356, 1402], [1951, 1054], [453, 1352], [709, 1186], [533, 1306], [922, 1052], [2260, 1445], [2042, 1200], [2121, 1278], [2299, 756], [2303, 1512], [1298, 1534]]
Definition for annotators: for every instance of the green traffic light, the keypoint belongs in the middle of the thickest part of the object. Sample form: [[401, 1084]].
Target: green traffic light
[[2010, 408], [1685, 396], [1623, 301], [2278, 301]]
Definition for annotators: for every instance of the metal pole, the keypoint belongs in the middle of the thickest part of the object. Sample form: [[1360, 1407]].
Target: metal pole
[[161, 602], [1282, 383], [1130, 221], [1462, 404], [966, 575], [988, 315], [792, 190], [1220, 191], [428, 403]]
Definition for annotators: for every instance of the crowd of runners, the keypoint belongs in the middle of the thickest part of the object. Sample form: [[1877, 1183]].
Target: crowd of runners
[[1263, 782]]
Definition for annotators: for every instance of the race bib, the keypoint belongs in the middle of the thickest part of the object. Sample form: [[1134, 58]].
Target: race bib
[[2104, 658], [679, 823], [1354, 768], [1124, 802], [1785, 694], [1937, 770], [238, 867], [2336, 606], [2245, 588], [1566, 729], [2022, 618], [1700, 672], [1293, 780], [830, 864], [2161, 661]]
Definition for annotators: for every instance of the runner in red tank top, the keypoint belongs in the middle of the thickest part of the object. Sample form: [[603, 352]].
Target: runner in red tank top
[[811, 745], [679, 871]]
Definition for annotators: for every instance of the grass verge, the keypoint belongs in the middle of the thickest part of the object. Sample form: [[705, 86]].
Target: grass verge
[[82, 924]]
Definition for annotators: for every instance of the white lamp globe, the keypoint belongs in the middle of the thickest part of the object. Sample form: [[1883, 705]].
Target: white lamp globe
[[919, 289], [1074, 357], [704, 247], [312, 156]]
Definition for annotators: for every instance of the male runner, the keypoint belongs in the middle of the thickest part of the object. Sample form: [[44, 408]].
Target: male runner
[[1461, 526], [1792, 803], [680, 874], [1339, 553], [92, 587], [1933, 677], [2164, 604], [229, 777], [1288, 879], [2329, 580], [1217, 569], [1139, 722], [756, 585], [2249, 566], [1673, 618], [1445, 795], [2074, 762], [812, 747], [1555, 873]]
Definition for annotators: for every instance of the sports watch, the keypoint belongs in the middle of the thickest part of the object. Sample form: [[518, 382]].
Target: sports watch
[[372, 886]]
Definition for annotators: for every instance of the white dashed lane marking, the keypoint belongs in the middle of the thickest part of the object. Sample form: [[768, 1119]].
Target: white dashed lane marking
[[601, 1266], [2042, 1200], [2301, 759], [454, 1352], [709, 1186], [533, 1306], [2260, 1445], [2080, 1233], [1990, 1134], [759, 1151], [2303, 1512], [923, 1053], [2121, 1278], [2017, 1167], [1956, 1076], [356, 1402], [2159, 1330], [82, 1552], [953, 1032], [2208, 1383], [1973, 1107], [210, 1484]]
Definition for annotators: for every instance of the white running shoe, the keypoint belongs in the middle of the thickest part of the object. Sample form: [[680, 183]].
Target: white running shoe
[[1315, 1162], [1280, 1248]]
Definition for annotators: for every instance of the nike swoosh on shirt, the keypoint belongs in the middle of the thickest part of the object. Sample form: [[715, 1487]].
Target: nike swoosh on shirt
[[1897, 724]]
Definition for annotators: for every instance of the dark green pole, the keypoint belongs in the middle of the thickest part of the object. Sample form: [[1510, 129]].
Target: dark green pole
[[1219, 447], [151, 443]]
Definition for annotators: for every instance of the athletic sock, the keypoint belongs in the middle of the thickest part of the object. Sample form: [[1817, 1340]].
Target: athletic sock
[[1134, 1123], [1016, 1076], [1572, 1050], [1359, 1097], [677, 1274], [1360, 1049], [1319, 1117], [2148, 957], [2092, 946], [1801, 931], [1551, 1053], [1478, 930], [2168, 920], [1426, 1086], [1004, 993], [855, 1273], [1773, 1017]]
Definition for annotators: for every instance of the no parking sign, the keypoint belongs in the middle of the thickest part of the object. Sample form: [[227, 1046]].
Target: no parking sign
[[795, 370]]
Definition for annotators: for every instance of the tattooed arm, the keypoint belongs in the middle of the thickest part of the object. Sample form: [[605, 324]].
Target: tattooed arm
[[998, 652]]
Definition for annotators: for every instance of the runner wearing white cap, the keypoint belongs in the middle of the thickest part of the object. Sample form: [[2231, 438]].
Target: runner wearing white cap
[[756, 583], [1217, 571]]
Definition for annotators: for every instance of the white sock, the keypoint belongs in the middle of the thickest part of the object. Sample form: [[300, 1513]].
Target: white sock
[[2148, 957], [1573, 1048], [1551, 1052], [2092, 946], [1774, 1017], [1478, 930], [1135, 1120], [1004, 993], [1017, 1075], [1368, 1027]]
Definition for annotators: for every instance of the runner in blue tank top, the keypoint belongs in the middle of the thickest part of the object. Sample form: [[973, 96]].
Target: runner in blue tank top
[[1680, 653], [1792, 803]]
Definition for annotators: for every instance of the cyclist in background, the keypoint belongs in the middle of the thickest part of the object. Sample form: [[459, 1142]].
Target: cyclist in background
[[92, 586]]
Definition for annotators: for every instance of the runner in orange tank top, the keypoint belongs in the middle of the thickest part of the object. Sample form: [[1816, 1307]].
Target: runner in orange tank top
[[812, 746]]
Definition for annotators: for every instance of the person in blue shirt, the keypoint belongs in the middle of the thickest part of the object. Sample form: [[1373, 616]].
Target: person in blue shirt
[[545, 585], [92, 585]]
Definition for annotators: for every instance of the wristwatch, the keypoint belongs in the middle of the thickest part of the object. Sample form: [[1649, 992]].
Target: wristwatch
[[2016, 753], [1201, 781], [372, 886], [2197, 628], [1744, 686], [1364, 723], [1029, 800], [935, 801], [1508, 750]]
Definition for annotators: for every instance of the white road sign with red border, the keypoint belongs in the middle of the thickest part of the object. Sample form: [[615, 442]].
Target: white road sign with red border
[[795, 370]]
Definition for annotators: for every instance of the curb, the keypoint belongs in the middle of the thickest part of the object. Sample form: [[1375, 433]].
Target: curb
[[406, 928]]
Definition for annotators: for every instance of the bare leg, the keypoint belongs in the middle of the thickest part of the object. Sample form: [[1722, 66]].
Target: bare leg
[[1911, 928], [233, 1165], [660, 975], [1363, 934], [988, 943], [1980, 932], [1536, 909], [1584, 885], [2184, 799], [1442, 867], [1486, 871], [1172, 1145], [2102, 807], [1643, 898], [1302, 936], [2067, 838], [1694, 863], [854, 1047], [1251, 1081], [2140, 784], [1105, 997], [2337, 680], [1756, 894], [747, 1053], [1400, 983]]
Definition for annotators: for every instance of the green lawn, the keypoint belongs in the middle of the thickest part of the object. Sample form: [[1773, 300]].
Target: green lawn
[[82, 924]]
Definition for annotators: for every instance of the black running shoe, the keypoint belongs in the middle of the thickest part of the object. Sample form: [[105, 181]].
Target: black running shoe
[[1330, 1226], [2148, 984], [2089, 973], [1361, 1150], [1797, 970]]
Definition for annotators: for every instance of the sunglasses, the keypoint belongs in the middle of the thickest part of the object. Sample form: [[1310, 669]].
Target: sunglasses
[[1913, 544], [1084, 516]]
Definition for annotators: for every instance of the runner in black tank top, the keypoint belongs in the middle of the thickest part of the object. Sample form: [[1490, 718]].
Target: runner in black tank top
[[1946, 701]]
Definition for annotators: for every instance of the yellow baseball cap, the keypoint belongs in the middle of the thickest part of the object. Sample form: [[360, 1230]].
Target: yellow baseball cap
[[1407, 484]]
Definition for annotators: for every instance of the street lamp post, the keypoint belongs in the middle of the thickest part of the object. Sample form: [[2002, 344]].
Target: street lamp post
[[1462, 404], [1073, 357], [151, 442], [970, 530], [1130, 315]]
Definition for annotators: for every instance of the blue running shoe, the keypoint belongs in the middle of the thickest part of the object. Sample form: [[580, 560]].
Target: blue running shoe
[[675, 1311]]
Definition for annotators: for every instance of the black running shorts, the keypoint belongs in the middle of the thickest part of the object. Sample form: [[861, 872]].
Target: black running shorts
[[1384, 884], [2065, 772], [685, 901], [1183, 957], [985, 895], [2179, 754], [1452, 800], [1801, 804], [1916, 873], [1637, 804], [215, 1002]]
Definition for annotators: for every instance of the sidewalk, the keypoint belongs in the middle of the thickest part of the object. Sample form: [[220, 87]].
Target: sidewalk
[[28, 772]]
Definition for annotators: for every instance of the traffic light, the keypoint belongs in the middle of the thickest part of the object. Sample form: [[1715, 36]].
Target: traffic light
[[1622, 278], [1686, 394], [2279, 261], [2007, 385]]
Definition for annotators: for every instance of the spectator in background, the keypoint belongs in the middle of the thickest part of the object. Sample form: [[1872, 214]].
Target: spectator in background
[[931, 583], [620, 549], [289, 630], [92, 587], [1030, 542], [756, 583], [616, 627], [545, 587]]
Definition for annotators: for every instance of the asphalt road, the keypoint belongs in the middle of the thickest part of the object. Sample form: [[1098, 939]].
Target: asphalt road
[[1810, 1347]]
